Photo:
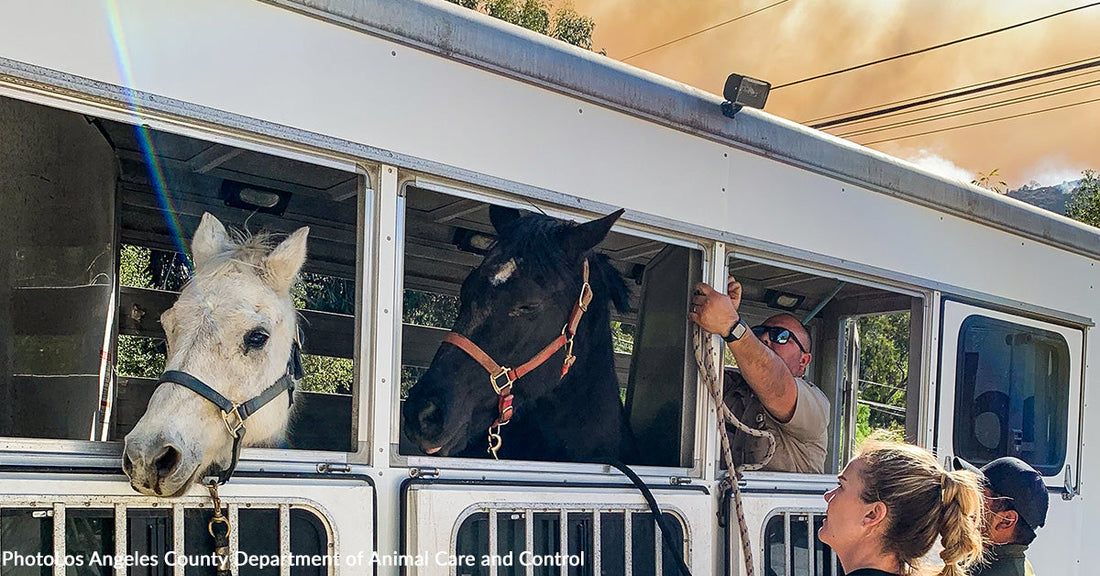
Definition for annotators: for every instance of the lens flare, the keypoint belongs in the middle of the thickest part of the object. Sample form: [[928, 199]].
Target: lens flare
[[144, 134]]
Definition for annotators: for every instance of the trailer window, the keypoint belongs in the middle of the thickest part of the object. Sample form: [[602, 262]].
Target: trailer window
[[588, 543], [447, 237], [1012, 386], [96, 219], [791, 545], [862, 358], [151, 547]]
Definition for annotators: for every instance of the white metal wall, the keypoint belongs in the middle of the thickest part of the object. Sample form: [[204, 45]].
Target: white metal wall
[[264, 62]]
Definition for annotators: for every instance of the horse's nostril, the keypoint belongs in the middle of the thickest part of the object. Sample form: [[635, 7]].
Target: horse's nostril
[[430, 416], [127, 465], [167, 461]]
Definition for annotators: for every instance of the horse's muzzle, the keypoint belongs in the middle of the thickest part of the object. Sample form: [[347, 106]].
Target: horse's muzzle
[[423, 422], [154, 466]]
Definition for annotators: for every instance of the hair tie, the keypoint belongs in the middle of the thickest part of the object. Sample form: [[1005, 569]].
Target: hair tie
[[943, 486]]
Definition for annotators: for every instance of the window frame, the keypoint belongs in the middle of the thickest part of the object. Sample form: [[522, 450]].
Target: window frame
[[493, 197], [98, 453], [953, 314], [921, 348]]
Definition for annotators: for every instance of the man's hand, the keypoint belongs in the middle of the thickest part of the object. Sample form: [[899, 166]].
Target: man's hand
[[733, 290], [713, 311]]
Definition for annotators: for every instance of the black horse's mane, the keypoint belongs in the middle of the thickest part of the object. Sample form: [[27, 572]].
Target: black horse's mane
[[538, 241]]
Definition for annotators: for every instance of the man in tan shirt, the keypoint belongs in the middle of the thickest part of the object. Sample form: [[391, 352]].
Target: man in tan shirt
[[771, 393]]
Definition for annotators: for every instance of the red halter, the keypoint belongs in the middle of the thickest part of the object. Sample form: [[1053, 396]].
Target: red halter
[[496, 371]]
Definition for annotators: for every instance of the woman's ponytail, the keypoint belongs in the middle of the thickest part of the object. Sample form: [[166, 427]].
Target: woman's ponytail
[[960, 522]]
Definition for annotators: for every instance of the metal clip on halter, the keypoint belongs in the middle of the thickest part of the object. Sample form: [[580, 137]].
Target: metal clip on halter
[[495, 440], [233, 428], [219, 528]]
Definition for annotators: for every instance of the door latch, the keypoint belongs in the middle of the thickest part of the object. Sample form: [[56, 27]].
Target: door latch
[[1069, 491]]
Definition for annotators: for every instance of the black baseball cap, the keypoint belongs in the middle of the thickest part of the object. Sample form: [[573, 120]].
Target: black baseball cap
[[1013, 478]]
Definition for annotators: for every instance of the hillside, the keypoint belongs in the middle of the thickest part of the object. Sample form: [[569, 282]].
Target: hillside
[[1051, 198]]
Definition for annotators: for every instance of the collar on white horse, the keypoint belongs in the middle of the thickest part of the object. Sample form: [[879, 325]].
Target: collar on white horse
[[234, 415], [510, 375]]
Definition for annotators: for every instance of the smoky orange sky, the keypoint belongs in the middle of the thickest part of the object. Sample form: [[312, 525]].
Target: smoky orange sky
[[802, 38]]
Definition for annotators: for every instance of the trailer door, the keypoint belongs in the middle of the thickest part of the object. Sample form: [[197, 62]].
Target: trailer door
[[1010, 386]]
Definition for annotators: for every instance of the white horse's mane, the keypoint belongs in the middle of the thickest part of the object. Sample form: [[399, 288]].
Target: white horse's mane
[[244, 249]]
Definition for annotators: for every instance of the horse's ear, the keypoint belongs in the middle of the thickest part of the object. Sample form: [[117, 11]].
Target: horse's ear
[[284, 262], [584, 237], [501, 217], [210, 239]]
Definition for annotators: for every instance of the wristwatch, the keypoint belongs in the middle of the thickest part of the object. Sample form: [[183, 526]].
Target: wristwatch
[[737, 331]]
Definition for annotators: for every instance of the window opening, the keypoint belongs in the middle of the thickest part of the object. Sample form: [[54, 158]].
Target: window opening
[[591, 542], [447, 237], [89, 545], [860, 356], [1012, 389], [791, 547], [115, 210], [883, 374]]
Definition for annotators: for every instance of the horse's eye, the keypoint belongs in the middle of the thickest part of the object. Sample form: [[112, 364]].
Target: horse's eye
[[524, 309], [255, 339]]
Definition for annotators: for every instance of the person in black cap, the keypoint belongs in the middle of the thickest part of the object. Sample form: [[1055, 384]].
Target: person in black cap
[[1016, 505]]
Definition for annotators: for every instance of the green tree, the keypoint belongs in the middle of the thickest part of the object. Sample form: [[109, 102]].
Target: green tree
[[883, 373], [1084, 204], [530, 14], [136, 356], [566, 24], [574, 28]]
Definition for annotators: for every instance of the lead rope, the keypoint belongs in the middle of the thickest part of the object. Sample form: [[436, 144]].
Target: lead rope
[[219, 529], [704, 354]]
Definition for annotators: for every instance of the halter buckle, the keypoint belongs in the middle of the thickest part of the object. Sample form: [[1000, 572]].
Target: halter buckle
[[234, 428], [504, 370]]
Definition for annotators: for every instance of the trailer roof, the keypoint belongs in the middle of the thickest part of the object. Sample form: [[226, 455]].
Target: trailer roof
[[465, 35]]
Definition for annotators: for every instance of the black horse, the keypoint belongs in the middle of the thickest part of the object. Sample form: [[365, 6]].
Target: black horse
[[512, 307]]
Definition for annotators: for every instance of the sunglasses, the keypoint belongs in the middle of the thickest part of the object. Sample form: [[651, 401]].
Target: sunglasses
[[778, 335]]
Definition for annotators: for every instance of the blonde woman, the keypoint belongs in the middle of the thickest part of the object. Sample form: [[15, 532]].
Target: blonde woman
[[893, 502]]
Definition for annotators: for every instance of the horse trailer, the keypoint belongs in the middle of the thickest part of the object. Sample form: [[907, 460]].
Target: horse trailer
[[397, 131]]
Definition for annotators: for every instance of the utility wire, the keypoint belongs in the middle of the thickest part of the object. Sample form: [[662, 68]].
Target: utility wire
[[981, 96], [936, 47], [920, 96], [879, 406], [894, 388], [971, 110], [707, 29], [1033, 112], [867, 115]]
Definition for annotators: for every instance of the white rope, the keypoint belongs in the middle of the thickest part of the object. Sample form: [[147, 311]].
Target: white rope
[[704, 355]]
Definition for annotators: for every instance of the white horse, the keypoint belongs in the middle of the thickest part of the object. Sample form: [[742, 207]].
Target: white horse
[[233, 329]]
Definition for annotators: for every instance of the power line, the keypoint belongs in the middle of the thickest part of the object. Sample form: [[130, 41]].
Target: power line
[[956, 94], [707, 29], [904, 100], [920, 96], [880, 407], [894, 388], [980, 96], [971, 110], [983, 122], [936, 47]]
